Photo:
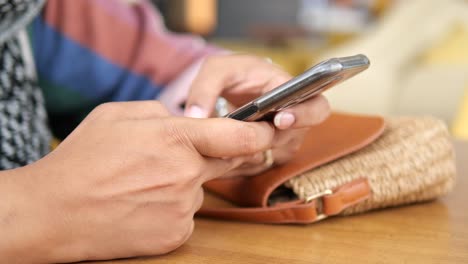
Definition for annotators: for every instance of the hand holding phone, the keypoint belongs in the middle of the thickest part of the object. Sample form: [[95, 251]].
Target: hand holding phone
[[308, 84]]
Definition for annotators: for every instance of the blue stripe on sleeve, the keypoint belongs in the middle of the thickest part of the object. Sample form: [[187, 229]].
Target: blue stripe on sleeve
[[62, 61]]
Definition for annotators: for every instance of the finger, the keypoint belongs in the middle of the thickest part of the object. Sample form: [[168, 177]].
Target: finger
[[255, 159], [217, 167], [198, 202], [285, 146], [189, 232], [287, 143], [305, 114], [245, 172], [248, 75], [207, 86], [223, 137], [258, 81]]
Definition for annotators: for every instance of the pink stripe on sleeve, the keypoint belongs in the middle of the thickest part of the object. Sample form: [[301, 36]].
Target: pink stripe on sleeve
[[129, 35]]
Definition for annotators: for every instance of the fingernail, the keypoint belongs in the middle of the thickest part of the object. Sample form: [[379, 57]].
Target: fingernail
[[284, 120], [196, 112]]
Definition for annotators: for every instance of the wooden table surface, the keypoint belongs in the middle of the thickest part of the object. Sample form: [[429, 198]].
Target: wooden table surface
[[434, 232]]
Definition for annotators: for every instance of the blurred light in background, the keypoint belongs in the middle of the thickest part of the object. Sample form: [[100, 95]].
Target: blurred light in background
[[418, 48], [349, 17]]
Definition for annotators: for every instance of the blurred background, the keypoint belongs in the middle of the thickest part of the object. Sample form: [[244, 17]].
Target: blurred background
[[418, 49]]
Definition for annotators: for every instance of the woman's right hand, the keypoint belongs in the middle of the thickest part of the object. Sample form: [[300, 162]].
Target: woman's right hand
[[125, 183]]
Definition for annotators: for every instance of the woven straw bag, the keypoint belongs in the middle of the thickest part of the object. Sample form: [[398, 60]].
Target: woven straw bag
[[349, 164], [412, 161]]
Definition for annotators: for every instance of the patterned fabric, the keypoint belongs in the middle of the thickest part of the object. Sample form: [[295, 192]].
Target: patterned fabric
[[15, 14], [24, 135]]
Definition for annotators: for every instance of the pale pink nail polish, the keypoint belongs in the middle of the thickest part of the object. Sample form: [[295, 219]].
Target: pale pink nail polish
[[196, 112], [284, 120]]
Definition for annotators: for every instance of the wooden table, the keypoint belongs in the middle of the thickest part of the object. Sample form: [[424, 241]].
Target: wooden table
[[434, 232]]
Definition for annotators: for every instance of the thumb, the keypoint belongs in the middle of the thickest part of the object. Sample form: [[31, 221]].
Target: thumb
[[223, 137]]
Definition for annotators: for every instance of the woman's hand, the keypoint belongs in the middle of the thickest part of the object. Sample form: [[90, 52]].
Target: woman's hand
[[241, 78], [126, 182]]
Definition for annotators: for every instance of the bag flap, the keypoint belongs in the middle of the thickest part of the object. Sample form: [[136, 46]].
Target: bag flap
[[339, 135]]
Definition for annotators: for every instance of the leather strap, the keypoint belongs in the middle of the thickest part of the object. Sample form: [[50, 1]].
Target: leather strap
[[323, 205], [338, 136], [341, 134], [345, 196]]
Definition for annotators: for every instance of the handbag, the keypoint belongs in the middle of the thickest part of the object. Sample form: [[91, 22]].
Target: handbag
[[348, 164]]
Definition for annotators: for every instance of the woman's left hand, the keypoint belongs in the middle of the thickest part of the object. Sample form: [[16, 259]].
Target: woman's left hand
[[241, 78]]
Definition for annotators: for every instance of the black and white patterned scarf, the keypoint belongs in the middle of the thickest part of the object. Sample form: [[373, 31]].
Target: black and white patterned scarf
[[24, 134]]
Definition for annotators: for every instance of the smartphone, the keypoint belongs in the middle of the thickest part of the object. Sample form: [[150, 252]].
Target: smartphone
[[308, 84]]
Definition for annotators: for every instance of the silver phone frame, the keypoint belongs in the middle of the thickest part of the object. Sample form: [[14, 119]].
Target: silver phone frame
[[312, 82]]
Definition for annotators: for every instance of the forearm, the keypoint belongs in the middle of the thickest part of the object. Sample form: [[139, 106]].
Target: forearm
[[111, 68]]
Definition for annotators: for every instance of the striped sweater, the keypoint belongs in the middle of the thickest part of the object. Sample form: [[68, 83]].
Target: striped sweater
[[92, 51]]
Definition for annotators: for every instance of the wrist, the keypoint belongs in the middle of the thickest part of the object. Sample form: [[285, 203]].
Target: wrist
[[23, 219]]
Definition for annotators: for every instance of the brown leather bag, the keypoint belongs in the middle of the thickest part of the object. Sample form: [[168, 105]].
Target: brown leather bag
[[348, 164]]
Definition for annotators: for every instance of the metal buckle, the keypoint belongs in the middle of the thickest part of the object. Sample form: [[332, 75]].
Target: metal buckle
[[318, 197]]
